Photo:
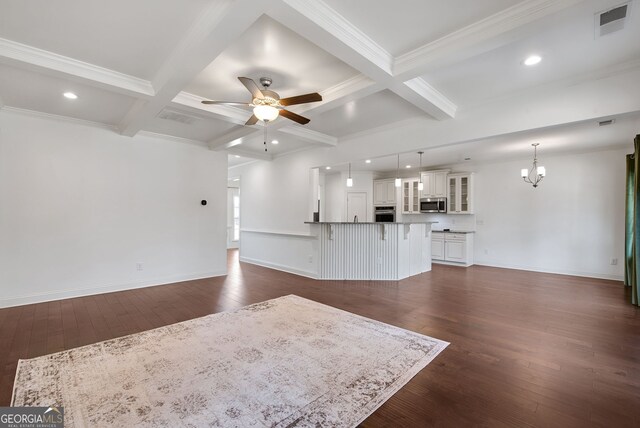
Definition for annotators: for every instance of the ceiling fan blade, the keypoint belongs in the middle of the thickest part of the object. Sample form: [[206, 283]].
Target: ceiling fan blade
[[231, 103], [252, 120], [252, 87], [295, 117], [301, 99]]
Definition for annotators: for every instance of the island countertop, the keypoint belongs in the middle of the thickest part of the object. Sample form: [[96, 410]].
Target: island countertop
[[371, 251], [370, 222]]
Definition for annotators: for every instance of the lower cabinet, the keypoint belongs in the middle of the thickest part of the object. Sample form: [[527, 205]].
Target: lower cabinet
[[452, 248]]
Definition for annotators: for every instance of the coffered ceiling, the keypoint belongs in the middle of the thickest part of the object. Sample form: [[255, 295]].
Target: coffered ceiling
[[453, 71]]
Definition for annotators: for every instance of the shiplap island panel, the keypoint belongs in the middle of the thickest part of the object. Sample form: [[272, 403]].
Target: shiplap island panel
[[378, 251]]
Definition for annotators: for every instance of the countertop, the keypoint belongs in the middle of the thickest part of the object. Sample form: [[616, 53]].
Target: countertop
[[369, 222], [454, 231]]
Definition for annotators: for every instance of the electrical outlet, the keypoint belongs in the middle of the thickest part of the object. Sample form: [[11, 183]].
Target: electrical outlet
[[310, 259], [614, 261], [486, 251], [138, 266], [480, 222]]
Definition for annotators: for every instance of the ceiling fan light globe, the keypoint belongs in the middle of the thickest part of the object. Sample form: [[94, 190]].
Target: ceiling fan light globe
[[266, 113]]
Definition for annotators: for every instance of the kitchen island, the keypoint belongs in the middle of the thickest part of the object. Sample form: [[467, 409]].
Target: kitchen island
[[365, 251]]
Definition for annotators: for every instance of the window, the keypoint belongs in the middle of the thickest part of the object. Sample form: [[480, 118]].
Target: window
[[236, 217]]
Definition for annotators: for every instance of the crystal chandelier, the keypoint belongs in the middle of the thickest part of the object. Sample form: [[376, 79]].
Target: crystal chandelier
[[536, 173]]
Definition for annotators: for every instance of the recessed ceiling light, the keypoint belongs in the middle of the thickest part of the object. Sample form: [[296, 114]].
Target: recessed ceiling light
[[236, 179], [408, 166], [367, 161], [327, 167], [70, 95], [532, 60], [275, 142], [237, 156]]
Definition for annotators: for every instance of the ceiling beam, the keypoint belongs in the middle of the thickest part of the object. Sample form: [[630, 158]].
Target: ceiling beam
[[322, 25], [250, 154], [309, 134], [233, 138], [39, 60], [215, 30], [418, 92], [352, 89]]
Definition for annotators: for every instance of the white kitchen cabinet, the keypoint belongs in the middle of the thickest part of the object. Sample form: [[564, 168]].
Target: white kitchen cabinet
[[384, 192], [410, 196], [452, 248], [435, 184], [460, 193], [437, 246]]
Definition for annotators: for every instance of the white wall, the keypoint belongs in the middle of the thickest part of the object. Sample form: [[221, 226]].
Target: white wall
[[80, 206], [335, 197], [573, 223]]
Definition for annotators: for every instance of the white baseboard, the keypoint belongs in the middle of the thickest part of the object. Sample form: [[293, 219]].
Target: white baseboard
[[444, 262], [288, 269], [80, 292], [558, 272]]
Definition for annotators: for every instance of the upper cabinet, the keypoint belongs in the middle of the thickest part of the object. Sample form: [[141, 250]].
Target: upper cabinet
[[460, 193], [384, 192], [410, 196], [435, 184]]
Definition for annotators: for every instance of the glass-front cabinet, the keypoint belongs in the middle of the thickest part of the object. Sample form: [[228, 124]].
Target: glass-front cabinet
[[410, 196], [460, 193]]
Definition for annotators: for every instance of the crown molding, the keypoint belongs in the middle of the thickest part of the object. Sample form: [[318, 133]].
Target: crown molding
[[249, 153], [309, 134], [232, 138], [335, 24], [57, 118], [11, 51], [230, 167], [347, 87], [172, 138], [431, 94], [227, 113], [516, 16]]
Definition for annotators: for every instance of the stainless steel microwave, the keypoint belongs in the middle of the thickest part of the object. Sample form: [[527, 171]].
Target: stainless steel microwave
[[433, 205]]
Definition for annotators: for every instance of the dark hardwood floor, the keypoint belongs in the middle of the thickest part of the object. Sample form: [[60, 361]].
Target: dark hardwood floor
[[527, 349]]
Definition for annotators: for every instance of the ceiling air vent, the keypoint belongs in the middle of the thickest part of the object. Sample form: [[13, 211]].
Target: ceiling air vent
[[177, 117], [606, 122], [612, 20]]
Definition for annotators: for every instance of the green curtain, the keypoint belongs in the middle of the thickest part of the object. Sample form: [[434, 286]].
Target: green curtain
[[632, 226]]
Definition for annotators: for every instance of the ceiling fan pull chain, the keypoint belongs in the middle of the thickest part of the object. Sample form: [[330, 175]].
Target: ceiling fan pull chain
[[265, 136]]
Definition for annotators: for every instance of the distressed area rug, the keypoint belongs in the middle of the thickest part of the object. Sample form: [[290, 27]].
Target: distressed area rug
[[286, 362]]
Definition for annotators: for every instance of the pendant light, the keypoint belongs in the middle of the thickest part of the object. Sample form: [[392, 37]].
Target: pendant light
[[349, 180], [420, 183], [398, 181], [536, 173]]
